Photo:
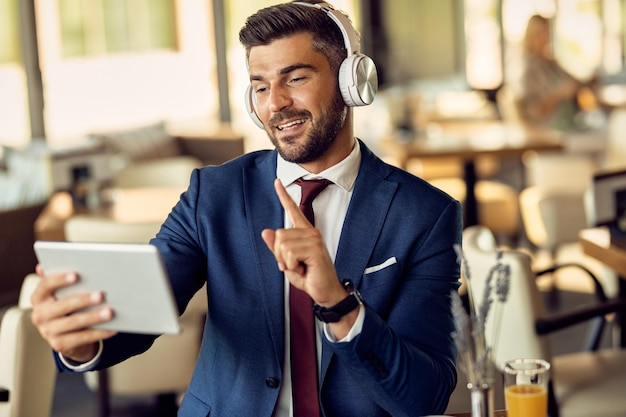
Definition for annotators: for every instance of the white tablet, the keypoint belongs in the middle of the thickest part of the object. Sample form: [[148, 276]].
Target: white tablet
[[132, 277]]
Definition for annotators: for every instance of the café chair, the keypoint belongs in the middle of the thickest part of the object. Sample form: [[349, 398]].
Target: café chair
[[496, 201], [164, 370], [615, 156], [169, 172], [151, 155], [552, 219], [496, 204], [552, 208], [27, 370], [584, 382], [86, 228]]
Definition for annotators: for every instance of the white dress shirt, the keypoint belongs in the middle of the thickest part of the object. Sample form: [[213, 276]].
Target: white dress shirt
[[330, 208]]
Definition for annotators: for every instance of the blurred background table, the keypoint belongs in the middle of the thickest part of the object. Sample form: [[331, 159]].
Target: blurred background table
[[469, 141]]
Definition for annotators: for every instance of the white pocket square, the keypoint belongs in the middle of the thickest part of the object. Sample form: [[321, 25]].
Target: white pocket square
[[384, 265]]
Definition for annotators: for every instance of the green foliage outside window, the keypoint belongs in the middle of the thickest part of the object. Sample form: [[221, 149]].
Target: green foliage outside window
[[9, 44], [96, 27]]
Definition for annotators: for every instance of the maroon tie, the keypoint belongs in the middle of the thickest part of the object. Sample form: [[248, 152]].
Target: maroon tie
[[303, 356]]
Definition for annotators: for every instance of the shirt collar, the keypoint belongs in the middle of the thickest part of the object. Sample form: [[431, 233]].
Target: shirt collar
[[343, 173]]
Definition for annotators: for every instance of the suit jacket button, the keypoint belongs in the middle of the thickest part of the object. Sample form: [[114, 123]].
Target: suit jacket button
[[272, 382]]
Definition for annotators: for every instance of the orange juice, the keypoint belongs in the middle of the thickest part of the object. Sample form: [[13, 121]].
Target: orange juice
[[526, 401]]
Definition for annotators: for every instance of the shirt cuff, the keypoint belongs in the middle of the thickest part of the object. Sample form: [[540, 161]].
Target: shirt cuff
[[82, 367], [354, 331]]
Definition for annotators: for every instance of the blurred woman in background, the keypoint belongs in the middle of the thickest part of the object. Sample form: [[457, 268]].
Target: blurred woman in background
[[549, 95]]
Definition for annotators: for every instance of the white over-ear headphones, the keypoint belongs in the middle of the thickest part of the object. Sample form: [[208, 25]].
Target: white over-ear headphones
[[358, 79]]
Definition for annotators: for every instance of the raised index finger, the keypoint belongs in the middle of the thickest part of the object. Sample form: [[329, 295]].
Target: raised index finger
[[291, 208]]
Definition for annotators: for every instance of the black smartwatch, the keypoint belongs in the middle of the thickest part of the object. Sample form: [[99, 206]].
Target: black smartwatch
[[335, 313]]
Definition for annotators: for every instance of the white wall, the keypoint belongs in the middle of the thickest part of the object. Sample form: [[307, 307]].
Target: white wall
[[14, 121]]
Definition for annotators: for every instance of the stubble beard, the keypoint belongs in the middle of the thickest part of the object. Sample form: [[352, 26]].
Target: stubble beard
[[320, 138]]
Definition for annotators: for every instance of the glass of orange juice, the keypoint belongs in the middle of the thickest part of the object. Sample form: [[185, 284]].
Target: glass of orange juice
[[526, 387]]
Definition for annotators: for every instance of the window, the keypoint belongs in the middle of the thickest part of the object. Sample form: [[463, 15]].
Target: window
[[588, 37], [483, 58], [95, 27], [578, 37], [118, 64], [14, 117], [9, 45], [613, 17]]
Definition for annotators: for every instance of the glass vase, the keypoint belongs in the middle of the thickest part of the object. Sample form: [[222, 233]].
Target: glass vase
[[482, 400]]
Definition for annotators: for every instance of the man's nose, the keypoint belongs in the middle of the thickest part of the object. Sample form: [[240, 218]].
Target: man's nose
[[279, 99]]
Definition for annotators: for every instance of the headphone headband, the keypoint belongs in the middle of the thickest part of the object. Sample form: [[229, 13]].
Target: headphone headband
[[350, 38]]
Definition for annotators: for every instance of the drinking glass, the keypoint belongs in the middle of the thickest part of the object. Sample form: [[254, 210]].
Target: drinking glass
[[526, 387]]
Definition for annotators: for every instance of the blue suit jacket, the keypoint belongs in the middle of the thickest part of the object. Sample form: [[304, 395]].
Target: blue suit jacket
[[403, 362]]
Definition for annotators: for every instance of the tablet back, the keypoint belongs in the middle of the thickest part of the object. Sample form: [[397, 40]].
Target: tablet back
[[132, 277]]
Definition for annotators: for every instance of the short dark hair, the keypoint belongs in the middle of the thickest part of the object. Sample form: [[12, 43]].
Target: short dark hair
[[278, 21]]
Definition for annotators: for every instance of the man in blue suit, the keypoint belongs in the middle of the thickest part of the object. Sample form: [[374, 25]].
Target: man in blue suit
[[379, 265]]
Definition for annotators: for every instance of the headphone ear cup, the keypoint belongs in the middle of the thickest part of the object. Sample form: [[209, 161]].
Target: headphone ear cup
[[358, 80], [251, 107]]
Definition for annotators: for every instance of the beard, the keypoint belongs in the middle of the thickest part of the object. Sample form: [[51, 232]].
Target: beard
[[321, 137]]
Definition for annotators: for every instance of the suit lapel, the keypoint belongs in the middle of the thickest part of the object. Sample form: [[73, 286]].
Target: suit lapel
[[367, 211], [263, 210]]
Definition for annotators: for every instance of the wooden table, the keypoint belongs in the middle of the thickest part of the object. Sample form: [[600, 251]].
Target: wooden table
[[468, 141], [127, 205], [610, 249]]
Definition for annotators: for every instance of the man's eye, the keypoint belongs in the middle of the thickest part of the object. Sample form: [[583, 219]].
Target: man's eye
[[296, 79], [260, 90]]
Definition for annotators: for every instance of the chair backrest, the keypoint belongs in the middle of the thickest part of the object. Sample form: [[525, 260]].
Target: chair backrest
[[552, 216], [556, 169], [510, 327], [616, 146], [173, 172], [27, 368], [28, 286], [84, 228]]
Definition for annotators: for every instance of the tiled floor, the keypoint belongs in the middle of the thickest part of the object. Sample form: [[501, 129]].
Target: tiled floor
[[74, 399]]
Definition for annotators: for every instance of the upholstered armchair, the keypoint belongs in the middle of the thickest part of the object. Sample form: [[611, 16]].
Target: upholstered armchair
[[27, 371], [152, 156]]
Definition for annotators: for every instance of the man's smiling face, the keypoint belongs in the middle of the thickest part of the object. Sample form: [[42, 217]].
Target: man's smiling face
[[297, 97]]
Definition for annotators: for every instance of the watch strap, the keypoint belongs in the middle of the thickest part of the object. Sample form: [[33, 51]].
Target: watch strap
[[335, 313]]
